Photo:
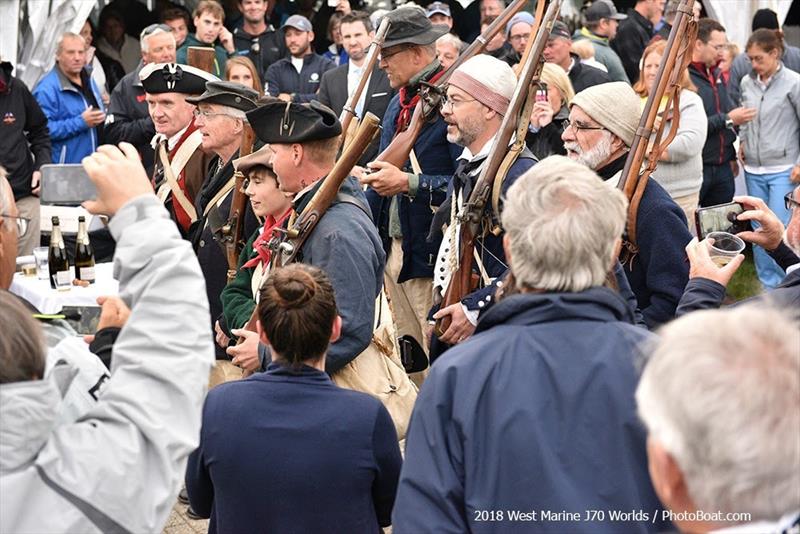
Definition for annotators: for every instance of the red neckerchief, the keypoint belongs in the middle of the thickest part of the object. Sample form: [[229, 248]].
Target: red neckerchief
[[407, 105], [184, 221], [263, 252]]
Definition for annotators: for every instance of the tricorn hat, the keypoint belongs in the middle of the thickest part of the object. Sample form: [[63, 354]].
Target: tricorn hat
[[410, 25], [229, 94], [173, 78], [287, 122]]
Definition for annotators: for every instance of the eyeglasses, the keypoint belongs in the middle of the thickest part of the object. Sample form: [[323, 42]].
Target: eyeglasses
[[517, 38], [21, 222], [206, 114], [578, 127], [447, 101], [393, 51], [789, 202]]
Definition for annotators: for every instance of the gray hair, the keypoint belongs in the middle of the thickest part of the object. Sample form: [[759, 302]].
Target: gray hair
[[64, 37], [563, 223], [22, 355], [453, 41], [143, 42], [720, 394]]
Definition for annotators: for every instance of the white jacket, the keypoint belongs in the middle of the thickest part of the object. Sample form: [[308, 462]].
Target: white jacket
[[118, 468]]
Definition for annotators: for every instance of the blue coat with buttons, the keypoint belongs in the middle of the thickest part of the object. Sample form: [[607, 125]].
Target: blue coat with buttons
[[437, 159]]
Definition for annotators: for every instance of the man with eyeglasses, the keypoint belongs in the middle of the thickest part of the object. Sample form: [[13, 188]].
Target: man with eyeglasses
[[477, 98], [707, 283], [181, 164], [719, 156], [602, 124], [403, 199], [256, 38], [220, 118], [128, 118], [518, 32]]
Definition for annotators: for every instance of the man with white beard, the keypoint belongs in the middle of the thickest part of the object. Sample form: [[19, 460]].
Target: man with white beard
[[602, 124], [706, 287]]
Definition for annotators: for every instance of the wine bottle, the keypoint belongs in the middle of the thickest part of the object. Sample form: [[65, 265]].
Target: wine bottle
[[57, 258], [84, 254]]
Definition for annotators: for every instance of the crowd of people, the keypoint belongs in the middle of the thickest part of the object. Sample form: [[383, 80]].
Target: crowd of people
[[582, 383]]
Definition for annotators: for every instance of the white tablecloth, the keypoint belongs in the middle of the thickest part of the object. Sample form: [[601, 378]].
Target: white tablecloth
[[47, 300]]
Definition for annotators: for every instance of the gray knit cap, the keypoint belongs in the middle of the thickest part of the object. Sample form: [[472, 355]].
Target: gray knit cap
[[615, 106]]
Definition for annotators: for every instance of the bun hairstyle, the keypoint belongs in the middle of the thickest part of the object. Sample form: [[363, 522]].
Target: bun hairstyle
[[297, 310], [767, 40]]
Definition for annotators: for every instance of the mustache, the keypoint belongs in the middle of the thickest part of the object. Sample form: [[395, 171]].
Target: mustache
[[573, 147]]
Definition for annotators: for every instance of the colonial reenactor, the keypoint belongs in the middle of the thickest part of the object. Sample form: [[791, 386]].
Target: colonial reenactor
[[344, 243], [477, 99], [220, 117], [403, 199], [180, 163]]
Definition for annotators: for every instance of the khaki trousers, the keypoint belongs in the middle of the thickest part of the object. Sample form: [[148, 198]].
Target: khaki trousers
[[410, 302], [28, 207], [688, 203]]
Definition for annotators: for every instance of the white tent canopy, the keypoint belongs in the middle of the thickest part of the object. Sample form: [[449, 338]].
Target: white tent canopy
[[737, 15]]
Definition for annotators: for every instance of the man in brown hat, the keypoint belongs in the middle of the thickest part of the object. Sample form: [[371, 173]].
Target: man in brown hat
[[180, 163], [403, 199], [220, 118]]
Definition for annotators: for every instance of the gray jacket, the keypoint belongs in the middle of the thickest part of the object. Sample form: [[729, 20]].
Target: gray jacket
[[117, 468], [773, 137], [740, 67]]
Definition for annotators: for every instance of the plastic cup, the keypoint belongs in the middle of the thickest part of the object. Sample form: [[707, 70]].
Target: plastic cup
[[42, 266], [724, 248]]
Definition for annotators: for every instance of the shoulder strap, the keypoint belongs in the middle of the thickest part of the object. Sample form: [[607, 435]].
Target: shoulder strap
[[517, 150], [177, 192], [347, 198]]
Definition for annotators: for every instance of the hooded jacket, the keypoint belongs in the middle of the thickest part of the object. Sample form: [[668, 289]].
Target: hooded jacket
[[62, 103], [24, 136], [718, 149], [535, 411], [118, 467]]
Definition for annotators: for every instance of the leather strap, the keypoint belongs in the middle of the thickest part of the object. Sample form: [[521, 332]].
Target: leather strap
[[177, 192]]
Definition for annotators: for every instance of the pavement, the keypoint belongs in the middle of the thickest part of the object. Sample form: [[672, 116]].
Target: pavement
[[179, 523]]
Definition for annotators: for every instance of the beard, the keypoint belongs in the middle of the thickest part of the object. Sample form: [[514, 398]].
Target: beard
[[593, 157], [465, 133]]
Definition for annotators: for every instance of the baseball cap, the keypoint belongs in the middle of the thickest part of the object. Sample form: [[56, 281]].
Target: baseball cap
[[602, 9], [298, 22], [437, 7]]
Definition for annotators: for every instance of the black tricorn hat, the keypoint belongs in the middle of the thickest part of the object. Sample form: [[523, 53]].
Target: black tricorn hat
[[229, 94], [174, 78], [286, 122], [410, 25]]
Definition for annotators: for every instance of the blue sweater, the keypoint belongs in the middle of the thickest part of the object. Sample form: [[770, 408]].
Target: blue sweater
[[286, 451], [437, 158]]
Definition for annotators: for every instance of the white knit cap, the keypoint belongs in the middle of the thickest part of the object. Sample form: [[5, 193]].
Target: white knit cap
[[615, 106], [487, 79]]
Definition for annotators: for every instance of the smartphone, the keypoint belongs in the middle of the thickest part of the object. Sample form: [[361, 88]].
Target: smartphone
[[720, 218], [541, 93], [66, 185]]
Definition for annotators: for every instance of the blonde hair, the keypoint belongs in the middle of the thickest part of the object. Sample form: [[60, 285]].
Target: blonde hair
[[553, 75], [248, 64], [659, 47]]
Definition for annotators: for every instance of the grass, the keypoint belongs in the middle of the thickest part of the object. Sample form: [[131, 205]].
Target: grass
[[744, 283]]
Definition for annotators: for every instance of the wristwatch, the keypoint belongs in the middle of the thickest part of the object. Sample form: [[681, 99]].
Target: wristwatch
[[728, 122]]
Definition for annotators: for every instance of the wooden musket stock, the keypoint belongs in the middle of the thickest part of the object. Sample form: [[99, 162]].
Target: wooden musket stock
[[201, 57], [232, 230]]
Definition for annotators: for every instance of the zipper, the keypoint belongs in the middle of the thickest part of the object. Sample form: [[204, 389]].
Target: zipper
[[718, 108]]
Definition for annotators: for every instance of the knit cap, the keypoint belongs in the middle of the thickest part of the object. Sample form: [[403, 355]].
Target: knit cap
[[614, 105]]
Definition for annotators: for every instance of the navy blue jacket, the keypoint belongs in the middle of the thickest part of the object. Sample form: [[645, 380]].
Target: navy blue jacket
[[282, 77], [288, 451], [535, 412], [718, 149], [437, 158]]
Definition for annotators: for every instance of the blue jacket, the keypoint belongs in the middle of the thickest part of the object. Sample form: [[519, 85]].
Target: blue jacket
[[288, 451], [437, 159], [535, 412], [718, 149], [282, 77], [63, 104]]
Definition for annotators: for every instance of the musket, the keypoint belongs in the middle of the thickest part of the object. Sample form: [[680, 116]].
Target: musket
[[514, 122], [349, 110], [232, 229], [286, 243], [430, 101], [201, 57], [676, 59]]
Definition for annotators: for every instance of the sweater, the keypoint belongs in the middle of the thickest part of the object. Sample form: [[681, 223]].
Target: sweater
[[681, 173], [220, 53]]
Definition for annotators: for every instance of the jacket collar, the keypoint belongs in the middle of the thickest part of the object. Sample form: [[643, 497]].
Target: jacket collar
[[612, 168], [63, 81], [594, 304], [28, 411], [303, 373]]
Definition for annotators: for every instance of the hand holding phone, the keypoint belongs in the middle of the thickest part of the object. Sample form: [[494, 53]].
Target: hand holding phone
[[769, 233], [720, 218]]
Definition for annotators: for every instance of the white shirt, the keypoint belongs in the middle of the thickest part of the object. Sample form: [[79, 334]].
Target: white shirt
[[297, 62], [354, 74]]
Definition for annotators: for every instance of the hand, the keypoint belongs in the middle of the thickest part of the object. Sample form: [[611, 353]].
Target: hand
[[542, 114], [742, 115], [222, 339], [701, 265], [386, 179], [105, 98], [770, 233], [118, 175], [245, 354], [794, 177], [358, 172], [92, 117], [460, 328], [114, 313], [226, 40], [36, 179], [344, 7], [286, 97]]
